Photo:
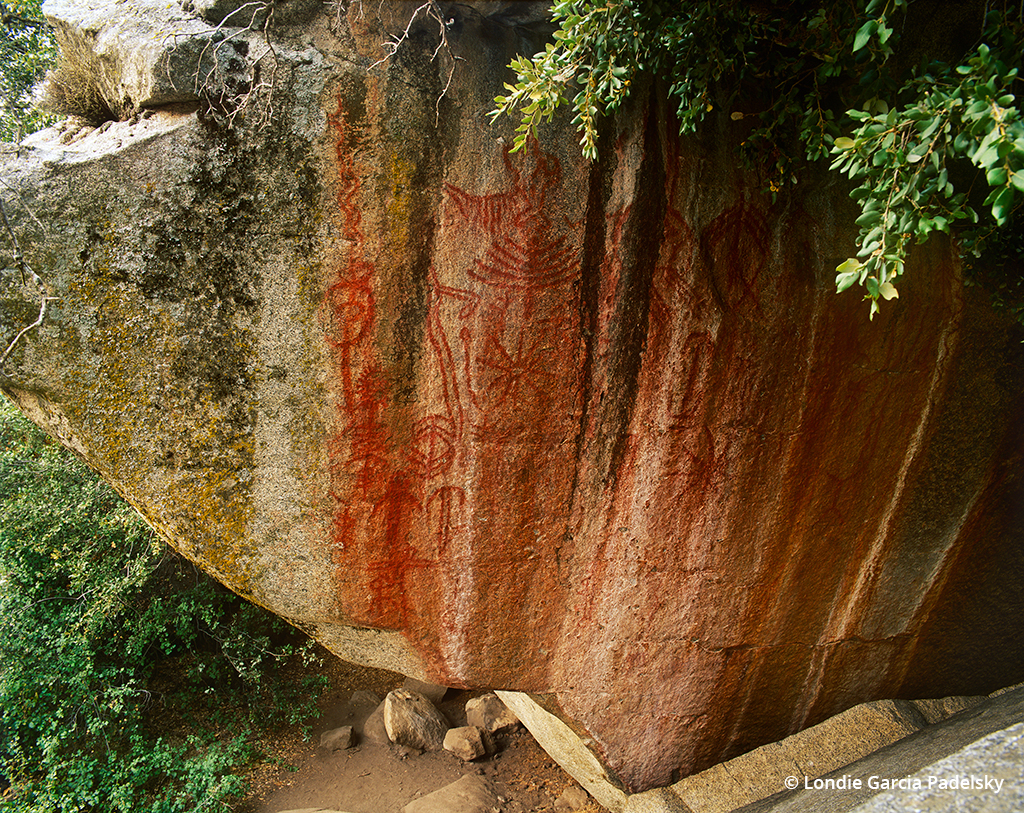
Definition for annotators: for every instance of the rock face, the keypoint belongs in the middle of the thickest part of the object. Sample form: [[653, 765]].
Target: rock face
[[600, 433]]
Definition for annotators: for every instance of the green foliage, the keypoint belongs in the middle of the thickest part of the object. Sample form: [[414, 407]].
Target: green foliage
[[121, 666], [711, 54], [804, 72], [27, 52], [906, 161]]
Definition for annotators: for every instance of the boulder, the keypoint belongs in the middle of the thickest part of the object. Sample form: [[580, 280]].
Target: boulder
[[985, 741], [470, 794], [434, 693], [154, 56], [362, 703], [938, 709], [983, 777], [599, 433], [374, 729], [814, 752], [411, 720]]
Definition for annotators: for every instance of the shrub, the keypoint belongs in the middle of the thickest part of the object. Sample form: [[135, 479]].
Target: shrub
[[129, 681]]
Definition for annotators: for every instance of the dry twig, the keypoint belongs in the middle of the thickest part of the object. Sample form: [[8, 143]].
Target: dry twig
[[433, 11], [26, 274]]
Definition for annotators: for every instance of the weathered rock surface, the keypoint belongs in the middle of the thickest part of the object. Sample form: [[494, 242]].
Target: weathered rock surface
[[992, 765], [411, 720], [857, 751], [937, 710], [575, 754], [984, 740], [602, 434], [813, 752], [146, 53]]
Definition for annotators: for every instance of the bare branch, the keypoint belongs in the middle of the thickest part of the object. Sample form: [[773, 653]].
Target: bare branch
[[215, 84], [26, 271], [433, 11], [393, 45]]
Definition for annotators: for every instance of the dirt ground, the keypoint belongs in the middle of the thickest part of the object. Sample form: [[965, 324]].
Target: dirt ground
[[369, 778]]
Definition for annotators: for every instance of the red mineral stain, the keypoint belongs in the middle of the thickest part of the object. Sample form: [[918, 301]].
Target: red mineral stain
[[504, 331], [693, 568]]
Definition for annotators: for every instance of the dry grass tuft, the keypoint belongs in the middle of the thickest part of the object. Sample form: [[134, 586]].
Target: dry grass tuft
[[72, 88]]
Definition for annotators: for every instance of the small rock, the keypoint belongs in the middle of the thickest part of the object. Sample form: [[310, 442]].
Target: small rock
[[572, 798], [359, 709], [471, 794], [337, 739], [490, 714], [410, 719], [466, 742]]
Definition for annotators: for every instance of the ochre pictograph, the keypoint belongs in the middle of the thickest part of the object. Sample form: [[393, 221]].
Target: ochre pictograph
[[737, 250], [375, 501], [522, 276], [502, 335]]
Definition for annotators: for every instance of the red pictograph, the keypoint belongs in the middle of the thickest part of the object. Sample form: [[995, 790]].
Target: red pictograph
[[501, 330], [514, 300], [505, 373], [673, 286], [348, 315], [698, 353], [512, 262], [376, 482], [394, 561], [448, 503], [433, 446], [349, 307], [737, 250], [527, 250]]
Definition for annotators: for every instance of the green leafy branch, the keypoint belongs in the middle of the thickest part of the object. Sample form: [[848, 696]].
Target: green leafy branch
[[708, 54], [544, 79], [840, 79], [906, 159]]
